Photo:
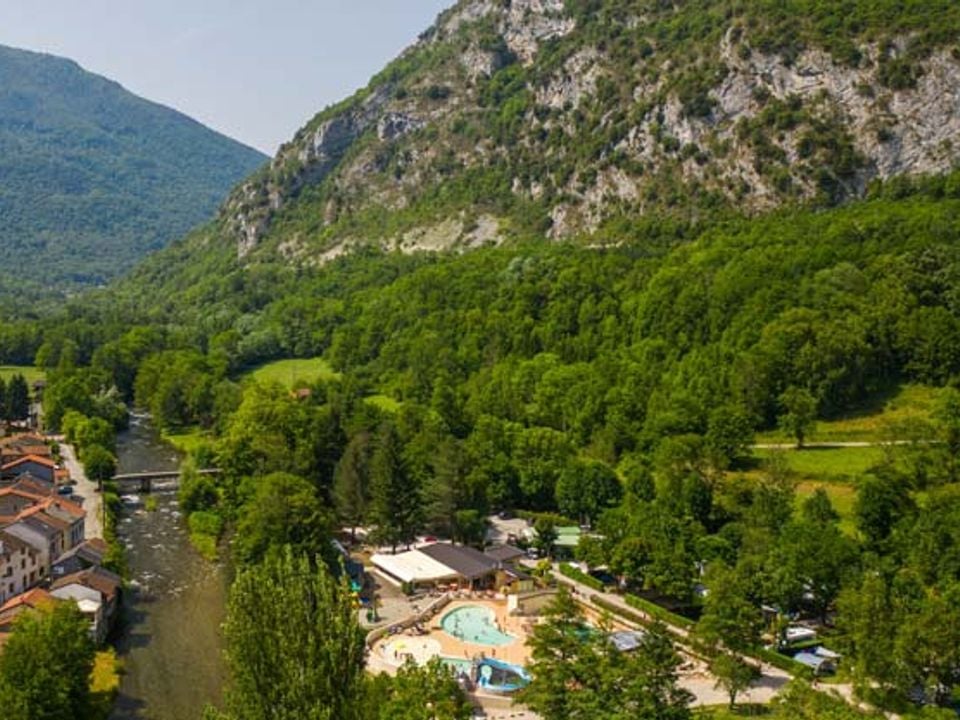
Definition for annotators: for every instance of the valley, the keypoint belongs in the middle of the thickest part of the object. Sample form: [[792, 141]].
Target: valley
[[593, 360]]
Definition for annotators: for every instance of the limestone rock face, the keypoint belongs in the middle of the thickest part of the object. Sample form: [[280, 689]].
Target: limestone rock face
[[513, 90]]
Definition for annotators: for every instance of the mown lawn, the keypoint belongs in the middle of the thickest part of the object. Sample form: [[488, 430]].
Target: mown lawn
[[291, 373], [878, 421], [30, 373]]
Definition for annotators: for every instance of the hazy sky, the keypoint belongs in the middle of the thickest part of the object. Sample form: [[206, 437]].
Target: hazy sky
[[253, 69]]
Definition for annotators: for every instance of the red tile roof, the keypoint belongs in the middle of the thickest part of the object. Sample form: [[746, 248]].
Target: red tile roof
[[47, 462]]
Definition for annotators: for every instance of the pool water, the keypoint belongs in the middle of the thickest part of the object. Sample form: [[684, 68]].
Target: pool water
[[475, 624]]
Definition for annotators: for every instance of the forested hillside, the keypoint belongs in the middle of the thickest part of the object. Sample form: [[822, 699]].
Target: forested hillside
[[94, 178], [557, 119]]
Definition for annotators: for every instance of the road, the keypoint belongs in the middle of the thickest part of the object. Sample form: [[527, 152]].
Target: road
[[86, 489], [827, 445]]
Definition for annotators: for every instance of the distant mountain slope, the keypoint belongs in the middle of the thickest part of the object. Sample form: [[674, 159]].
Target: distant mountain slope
[[92, 177]]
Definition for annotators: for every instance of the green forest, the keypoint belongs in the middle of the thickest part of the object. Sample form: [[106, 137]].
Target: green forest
[[753, 418], [619, 387]]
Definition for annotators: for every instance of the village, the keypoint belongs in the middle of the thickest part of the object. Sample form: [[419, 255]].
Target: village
[[51, 540]]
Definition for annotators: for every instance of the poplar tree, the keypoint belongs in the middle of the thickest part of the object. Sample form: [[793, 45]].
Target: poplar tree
[[294, 647]]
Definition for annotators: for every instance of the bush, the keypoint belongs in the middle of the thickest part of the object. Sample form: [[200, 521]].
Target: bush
[[659, 613]]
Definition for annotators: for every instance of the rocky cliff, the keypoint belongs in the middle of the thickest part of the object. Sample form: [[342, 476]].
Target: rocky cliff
[[550, 117]]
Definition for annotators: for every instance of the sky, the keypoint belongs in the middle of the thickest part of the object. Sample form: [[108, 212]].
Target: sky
[[255, 70]]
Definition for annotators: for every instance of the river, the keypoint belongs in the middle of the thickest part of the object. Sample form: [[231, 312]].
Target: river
[[170, 641]]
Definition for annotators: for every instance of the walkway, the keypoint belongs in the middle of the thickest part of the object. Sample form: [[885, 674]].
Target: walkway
[[92, 500], [698, 680]]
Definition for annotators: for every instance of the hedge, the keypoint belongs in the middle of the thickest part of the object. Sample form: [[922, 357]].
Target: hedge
[[573, 573], [783, 662], [660, 613]]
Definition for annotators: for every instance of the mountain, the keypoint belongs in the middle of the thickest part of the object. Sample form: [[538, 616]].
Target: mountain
[[94, 177], [594, 121], [554, 118]]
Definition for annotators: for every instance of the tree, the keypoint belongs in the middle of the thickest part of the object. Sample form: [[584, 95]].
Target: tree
[[395, 507], [545, 530], [469, 527], [99, 464], [351, 481], [729, 436], [733, 673], [882, 500], [417, 693], [293, 645], [799, 413], [284, 511], [818, 509], [17, 399], [579, 675], [197, 492], [587, 488], [46, 664], [729, 620]]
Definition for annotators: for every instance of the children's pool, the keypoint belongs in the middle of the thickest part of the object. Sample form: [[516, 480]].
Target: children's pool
[[475, 624]]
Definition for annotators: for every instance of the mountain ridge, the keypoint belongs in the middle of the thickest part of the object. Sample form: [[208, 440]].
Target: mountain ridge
[[95, 177], [547, 117]]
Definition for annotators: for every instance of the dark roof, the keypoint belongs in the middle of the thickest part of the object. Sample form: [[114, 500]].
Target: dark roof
[[97, 578], [504, 553], [465, 561]]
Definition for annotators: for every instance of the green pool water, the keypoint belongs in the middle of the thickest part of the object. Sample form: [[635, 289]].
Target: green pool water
[[475, 624]]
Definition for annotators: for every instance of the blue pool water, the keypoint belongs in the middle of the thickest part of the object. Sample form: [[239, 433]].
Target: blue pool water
[[475, 624]]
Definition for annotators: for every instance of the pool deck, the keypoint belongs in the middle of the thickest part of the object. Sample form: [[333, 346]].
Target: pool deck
[[437, 641]]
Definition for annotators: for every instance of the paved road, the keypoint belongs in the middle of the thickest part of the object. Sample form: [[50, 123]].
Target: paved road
[[86, 489]]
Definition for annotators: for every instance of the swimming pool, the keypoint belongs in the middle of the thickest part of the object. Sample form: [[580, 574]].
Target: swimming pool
[[475, 624]]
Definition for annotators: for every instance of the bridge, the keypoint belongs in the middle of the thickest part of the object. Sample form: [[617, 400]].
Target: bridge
[[143, 481]]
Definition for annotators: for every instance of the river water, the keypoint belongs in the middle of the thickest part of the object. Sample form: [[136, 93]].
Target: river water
[[170, 641]]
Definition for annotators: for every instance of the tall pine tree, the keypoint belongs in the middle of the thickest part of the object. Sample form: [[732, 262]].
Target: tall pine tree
[[396, 503]]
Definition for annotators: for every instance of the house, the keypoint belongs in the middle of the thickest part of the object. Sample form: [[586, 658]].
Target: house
[[14, 501], [510, 578], [44, 533], [504, 553], [437, 564], [568, 537], [85, 555], [97, 593], [17, 504], [30, 484], [37, 465], [21, 566]]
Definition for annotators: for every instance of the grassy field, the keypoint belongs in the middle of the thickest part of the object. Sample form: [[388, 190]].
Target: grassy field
[[828, 465], [833, 469], [30, 373], [876, 422], [186, 441], [291, 373]]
